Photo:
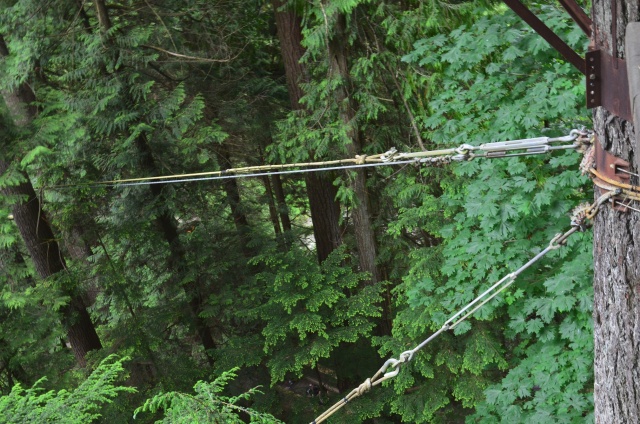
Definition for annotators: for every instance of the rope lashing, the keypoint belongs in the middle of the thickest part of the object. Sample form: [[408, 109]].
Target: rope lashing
[[464, 152], [579, 219]]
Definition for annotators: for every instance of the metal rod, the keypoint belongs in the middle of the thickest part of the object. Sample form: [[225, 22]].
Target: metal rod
[[545, 32], [578, 15], [618, 169]]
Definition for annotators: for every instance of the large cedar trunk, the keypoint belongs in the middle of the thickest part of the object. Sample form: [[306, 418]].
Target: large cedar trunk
[[325, 211], [616, 309]]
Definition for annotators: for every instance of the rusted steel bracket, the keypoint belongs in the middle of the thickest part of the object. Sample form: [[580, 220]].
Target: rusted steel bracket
[[545, 32], [578, 15], [613, 168], [607, 84]]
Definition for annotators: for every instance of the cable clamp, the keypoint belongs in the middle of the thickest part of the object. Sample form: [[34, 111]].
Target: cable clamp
[[390, 155], [463, 149]]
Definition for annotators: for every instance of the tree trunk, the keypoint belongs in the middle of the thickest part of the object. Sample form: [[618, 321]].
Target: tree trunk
[[47, 260], [325, 211], [616, 309], [363, 225], [177, 259], [282, 203], [37, 234], [165, 221], [273, 211], [232, 192]]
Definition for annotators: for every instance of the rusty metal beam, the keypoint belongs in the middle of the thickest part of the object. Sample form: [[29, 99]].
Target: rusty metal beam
[[545, 32], [578, 15]]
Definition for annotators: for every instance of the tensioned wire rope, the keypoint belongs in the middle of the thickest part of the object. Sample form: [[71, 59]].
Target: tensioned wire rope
[[578, 220], [465, 152], [581, 141], [613, 189]]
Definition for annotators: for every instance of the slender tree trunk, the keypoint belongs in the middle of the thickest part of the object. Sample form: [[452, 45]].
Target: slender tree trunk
[[37, 234], [616, 309], [47, 259], [166, 222], [177, 259], [232, 192], [363, 225], [273, 210], [282, 203], [325, 214], [325, 211]]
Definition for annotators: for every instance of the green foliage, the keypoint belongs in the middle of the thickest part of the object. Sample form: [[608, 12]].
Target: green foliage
[[189, 87], [499, 81], [207, 405], [80, 405], [310, 309]]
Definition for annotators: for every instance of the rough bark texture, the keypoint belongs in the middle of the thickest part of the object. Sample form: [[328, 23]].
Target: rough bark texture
[[290, 35], [616, 309], [325, 211]]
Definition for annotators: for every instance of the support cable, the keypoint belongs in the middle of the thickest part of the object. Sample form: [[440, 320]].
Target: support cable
[[578, 223], [464, 152]]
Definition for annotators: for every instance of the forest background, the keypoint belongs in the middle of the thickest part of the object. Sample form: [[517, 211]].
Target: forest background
[[192, 294]]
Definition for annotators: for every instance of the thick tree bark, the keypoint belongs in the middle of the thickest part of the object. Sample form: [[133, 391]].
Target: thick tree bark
[[325, 211], [616, 309], [289, 27], [325, 214]]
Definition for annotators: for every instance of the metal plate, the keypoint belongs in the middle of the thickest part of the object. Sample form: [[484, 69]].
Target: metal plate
[[607, 84]]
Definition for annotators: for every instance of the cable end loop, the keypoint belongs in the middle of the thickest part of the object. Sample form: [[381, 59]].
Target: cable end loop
[[556, 242]]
